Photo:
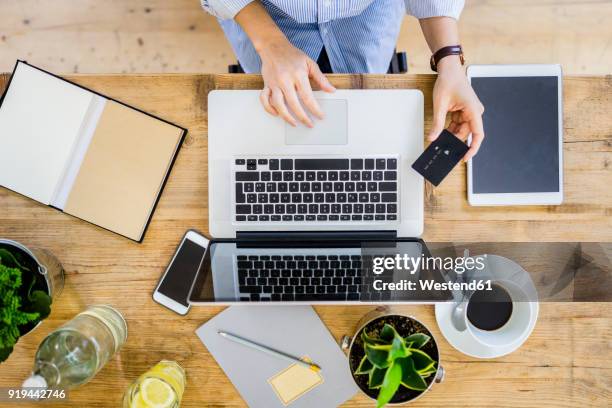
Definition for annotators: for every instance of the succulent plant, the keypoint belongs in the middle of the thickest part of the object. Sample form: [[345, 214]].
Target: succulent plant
[[392, 361]]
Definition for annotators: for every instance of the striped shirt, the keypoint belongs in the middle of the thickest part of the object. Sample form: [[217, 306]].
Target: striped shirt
[[359, 36]]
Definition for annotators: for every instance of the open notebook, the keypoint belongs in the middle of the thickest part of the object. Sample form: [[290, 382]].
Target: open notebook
[[83, 153]]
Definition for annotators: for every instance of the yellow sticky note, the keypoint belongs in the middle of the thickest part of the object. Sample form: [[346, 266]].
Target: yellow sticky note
[[293, 382]]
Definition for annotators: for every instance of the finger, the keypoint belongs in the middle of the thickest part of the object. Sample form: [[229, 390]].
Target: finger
[[455, 123], [307, 97], [453, 127], [477, 137], [295, 106], [278, 102], [460, 129], [438, 120], [456, 117], [321, 80], [463, 130], [264, 98]]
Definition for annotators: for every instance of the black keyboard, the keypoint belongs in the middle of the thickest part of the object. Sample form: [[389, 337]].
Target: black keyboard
[[316, 190], [302, 278]]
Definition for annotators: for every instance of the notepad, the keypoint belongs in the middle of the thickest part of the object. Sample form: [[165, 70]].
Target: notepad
[[83, 153], [294, 381]]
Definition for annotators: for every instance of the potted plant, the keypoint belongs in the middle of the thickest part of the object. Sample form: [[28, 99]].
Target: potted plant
[[393, 358], [27, 284]]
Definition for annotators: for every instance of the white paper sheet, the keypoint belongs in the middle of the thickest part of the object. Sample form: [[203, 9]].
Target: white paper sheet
[[40, 120]]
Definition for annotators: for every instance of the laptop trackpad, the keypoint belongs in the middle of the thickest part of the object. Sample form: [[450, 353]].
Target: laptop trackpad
[[330, 131]]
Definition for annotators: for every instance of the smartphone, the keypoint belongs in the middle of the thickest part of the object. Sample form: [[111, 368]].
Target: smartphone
[[173, 288]]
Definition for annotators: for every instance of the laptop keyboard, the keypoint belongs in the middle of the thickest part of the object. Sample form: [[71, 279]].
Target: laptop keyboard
[[302, 278], [290, 190]]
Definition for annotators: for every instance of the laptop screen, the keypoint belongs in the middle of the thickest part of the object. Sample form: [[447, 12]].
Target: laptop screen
[[321, 271]]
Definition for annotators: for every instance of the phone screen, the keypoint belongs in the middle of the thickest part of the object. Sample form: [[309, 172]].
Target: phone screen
[[177, 281]]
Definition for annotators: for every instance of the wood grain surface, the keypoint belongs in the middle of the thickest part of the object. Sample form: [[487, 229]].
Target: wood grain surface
[[161, 36], [565, 362]]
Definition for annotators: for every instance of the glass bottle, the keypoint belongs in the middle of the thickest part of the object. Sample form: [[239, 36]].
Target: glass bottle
[[75, 352]]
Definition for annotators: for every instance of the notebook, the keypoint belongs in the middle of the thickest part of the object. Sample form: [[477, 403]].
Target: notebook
[[268, 381], [83, 153]]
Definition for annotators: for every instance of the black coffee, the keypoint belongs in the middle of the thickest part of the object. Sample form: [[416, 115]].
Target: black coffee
[[490, 309]]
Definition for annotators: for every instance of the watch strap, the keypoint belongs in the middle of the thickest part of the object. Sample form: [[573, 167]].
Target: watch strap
[[445, 52]]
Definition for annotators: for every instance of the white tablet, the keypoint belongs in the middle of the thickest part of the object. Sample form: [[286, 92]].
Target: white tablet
[[520, 161]]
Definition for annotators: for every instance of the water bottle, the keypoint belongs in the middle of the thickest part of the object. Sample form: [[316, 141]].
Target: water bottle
[[75, 352]]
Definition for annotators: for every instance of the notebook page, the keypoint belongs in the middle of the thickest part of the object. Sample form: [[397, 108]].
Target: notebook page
[[88, 127], [123, 170], [40, 120]]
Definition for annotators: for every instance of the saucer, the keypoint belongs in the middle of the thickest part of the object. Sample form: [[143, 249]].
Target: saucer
[[499, 268], [465, 343]]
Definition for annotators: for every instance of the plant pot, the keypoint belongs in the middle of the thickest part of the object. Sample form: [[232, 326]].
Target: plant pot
[[48, 271], [405, 325]]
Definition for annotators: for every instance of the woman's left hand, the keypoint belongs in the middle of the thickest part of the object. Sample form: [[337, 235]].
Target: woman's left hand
[[453, 93]]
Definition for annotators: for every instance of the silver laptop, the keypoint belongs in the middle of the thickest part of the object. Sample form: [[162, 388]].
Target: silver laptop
[[294, 210], [351, 172]]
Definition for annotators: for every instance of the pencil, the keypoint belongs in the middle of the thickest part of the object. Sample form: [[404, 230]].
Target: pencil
[[314, 367]]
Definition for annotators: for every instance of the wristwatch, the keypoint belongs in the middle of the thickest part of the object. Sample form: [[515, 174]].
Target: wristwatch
[[445, 52]]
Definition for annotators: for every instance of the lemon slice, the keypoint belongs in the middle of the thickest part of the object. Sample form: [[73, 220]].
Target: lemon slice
[[171, 368], [156, 393], [171, 373], [137, 402]]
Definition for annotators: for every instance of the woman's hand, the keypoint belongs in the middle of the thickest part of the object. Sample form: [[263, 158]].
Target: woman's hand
[[287, 72], [453, 93]]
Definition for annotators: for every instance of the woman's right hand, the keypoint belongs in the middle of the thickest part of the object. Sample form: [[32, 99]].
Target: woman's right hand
[[287, 92]]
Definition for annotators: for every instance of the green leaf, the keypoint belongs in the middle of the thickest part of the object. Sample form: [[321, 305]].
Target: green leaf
[[376, 378], [418, 340], [422, 361], [428, 372], [378, 355], [365, 366], [410, 377], [391, 383], [388, 333], [432, 369], [370, 340], [398, 349]]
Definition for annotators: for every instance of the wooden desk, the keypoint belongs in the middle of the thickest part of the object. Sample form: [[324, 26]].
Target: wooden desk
[[565, 363]]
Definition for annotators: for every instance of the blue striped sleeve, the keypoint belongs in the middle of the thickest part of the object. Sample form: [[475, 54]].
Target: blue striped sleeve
[[434, 8], [224, 9]]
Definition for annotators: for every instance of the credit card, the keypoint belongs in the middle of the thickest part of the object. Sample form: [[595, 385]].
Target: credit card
[[440, 157]]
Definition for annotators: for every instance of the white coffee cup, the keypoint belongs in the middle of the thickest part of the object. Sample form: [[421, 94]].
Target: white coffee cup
[[515, 328], [508, 275]]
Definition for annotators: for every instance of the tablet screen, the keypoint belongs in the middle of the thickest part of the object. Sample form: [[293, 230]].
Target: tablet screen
[[520, 152]]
